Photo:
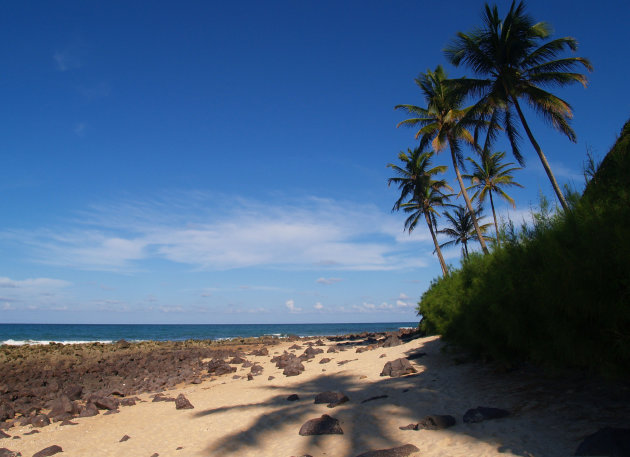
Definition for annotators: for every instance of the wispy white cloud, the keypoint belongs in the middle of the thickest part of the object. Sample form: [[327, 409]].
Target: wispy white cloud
[[66, 59], [33, 283], [201, 230], [318, 306], [328, 281], [290, 304]]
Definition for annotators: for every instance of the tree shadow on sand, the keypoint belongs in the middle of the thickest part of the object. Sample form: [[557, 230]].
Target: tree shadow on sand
[[445, 384]]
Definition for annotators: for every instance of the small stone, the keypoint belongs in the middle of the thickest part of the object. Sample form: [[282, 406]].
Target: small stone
[[41, 420], [67, 422], [181, 402], [124, 438], [436, 422], [32, 432], [400, 451], [482, 413], [4, 452], [332, 398], [47, 452], [377, 397], [4, 435], [293, 397]]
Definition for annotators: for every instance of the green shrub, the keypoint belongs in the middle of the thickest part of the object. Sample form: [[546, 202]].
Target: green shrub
[[557, 293]]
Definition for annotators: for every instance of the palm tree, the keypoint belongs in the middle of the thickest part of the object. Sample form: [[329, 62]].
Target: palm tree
[[461, 229], [440, 124], [491, 175], [514, 59], [415, 181]]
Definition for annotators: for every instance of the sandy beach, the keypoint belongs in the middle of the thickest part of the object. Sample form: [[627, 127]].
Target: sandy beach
[[234, 416]]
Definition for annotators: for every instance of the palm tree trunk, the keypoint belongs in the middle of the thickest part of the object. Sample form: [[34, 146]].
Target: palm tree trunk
[[465, 250], [437, 246], [494, 215], [468, 204], [541, 156]]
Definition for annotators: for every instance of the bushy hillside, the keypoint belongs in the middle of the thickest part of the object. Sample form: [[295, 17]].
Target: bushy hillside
[[557, 294]]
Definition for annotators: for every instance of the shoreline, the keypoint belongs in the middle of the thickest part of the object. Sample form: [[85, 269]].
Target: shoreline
[[238, 414]]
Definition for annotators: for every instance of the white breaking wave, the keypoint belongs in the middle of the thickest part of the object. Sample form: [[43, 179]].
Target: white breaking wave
[[40, 342]]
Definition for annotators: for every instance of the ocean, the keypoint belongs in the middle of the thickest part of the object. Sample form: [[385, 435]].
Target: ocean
[[16, 334]]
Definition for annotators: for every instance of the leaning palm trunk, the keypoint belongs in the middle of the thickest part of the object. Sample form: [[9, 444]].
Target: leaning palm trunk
[[494, 215], [437, 246], [468, 203], [542, 157]]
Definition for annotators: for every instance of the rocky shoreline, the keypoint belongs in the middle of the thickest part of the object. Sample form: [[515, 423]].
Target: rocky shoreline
[[56, 382]]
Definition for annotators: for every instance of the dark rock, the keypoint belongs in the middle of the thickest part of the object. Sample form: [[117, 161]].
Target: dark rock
[[155, 455], [260, 352], [6, 412], [377, 397], [62, 407], [324, 360], [256, 370], [332, 398], [4, 435], [181, 402], [236, 377], [41, 420], [293, 397], [398, 367], [311, 352], [73, 391], [400, 451], [391, 341], [32, 432], [250, 377], [271, 378], [179, 448], [124, 438], [331, 349], [237, 361], [324, 425], [247, 364], [161, 397], [613, 442], [128, 402], [409, 427], [88, 410], [67, 422], [219, 367], [361, 349], [436, 422], [4, 452], [482, 413], [319, 342], [104, 402], [196, 381], [382, 355], [47, 452], [110, 412]]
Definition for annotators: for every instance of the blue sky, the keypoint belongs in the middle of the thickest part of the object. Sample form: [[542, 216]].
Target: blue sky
[[225, 162]]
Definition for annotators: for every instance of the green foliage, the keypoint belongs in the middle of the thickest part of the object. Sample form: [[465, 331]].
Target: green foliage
[[556, 293]]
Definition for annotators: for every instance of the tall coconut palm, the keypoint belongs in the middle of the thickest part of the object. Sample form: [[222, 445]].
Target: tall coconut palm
[[423, 193], [516, 62], [492, 176], [461, 230], [440, 124]]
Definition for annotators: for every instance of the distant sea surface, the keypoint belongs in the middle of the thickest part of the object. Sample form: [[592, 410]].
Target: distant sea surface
[[16, 334]]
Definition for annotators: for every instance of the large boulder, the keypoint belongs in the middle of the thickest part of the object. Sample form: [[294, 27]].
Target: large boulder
[[4, 452], [41, 420], [398, 367], [391, 341], [324, 425]]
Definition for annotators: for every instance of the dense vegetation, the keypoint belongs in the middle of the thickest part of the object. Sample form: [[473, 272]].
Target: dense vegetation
[[556, 293]]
